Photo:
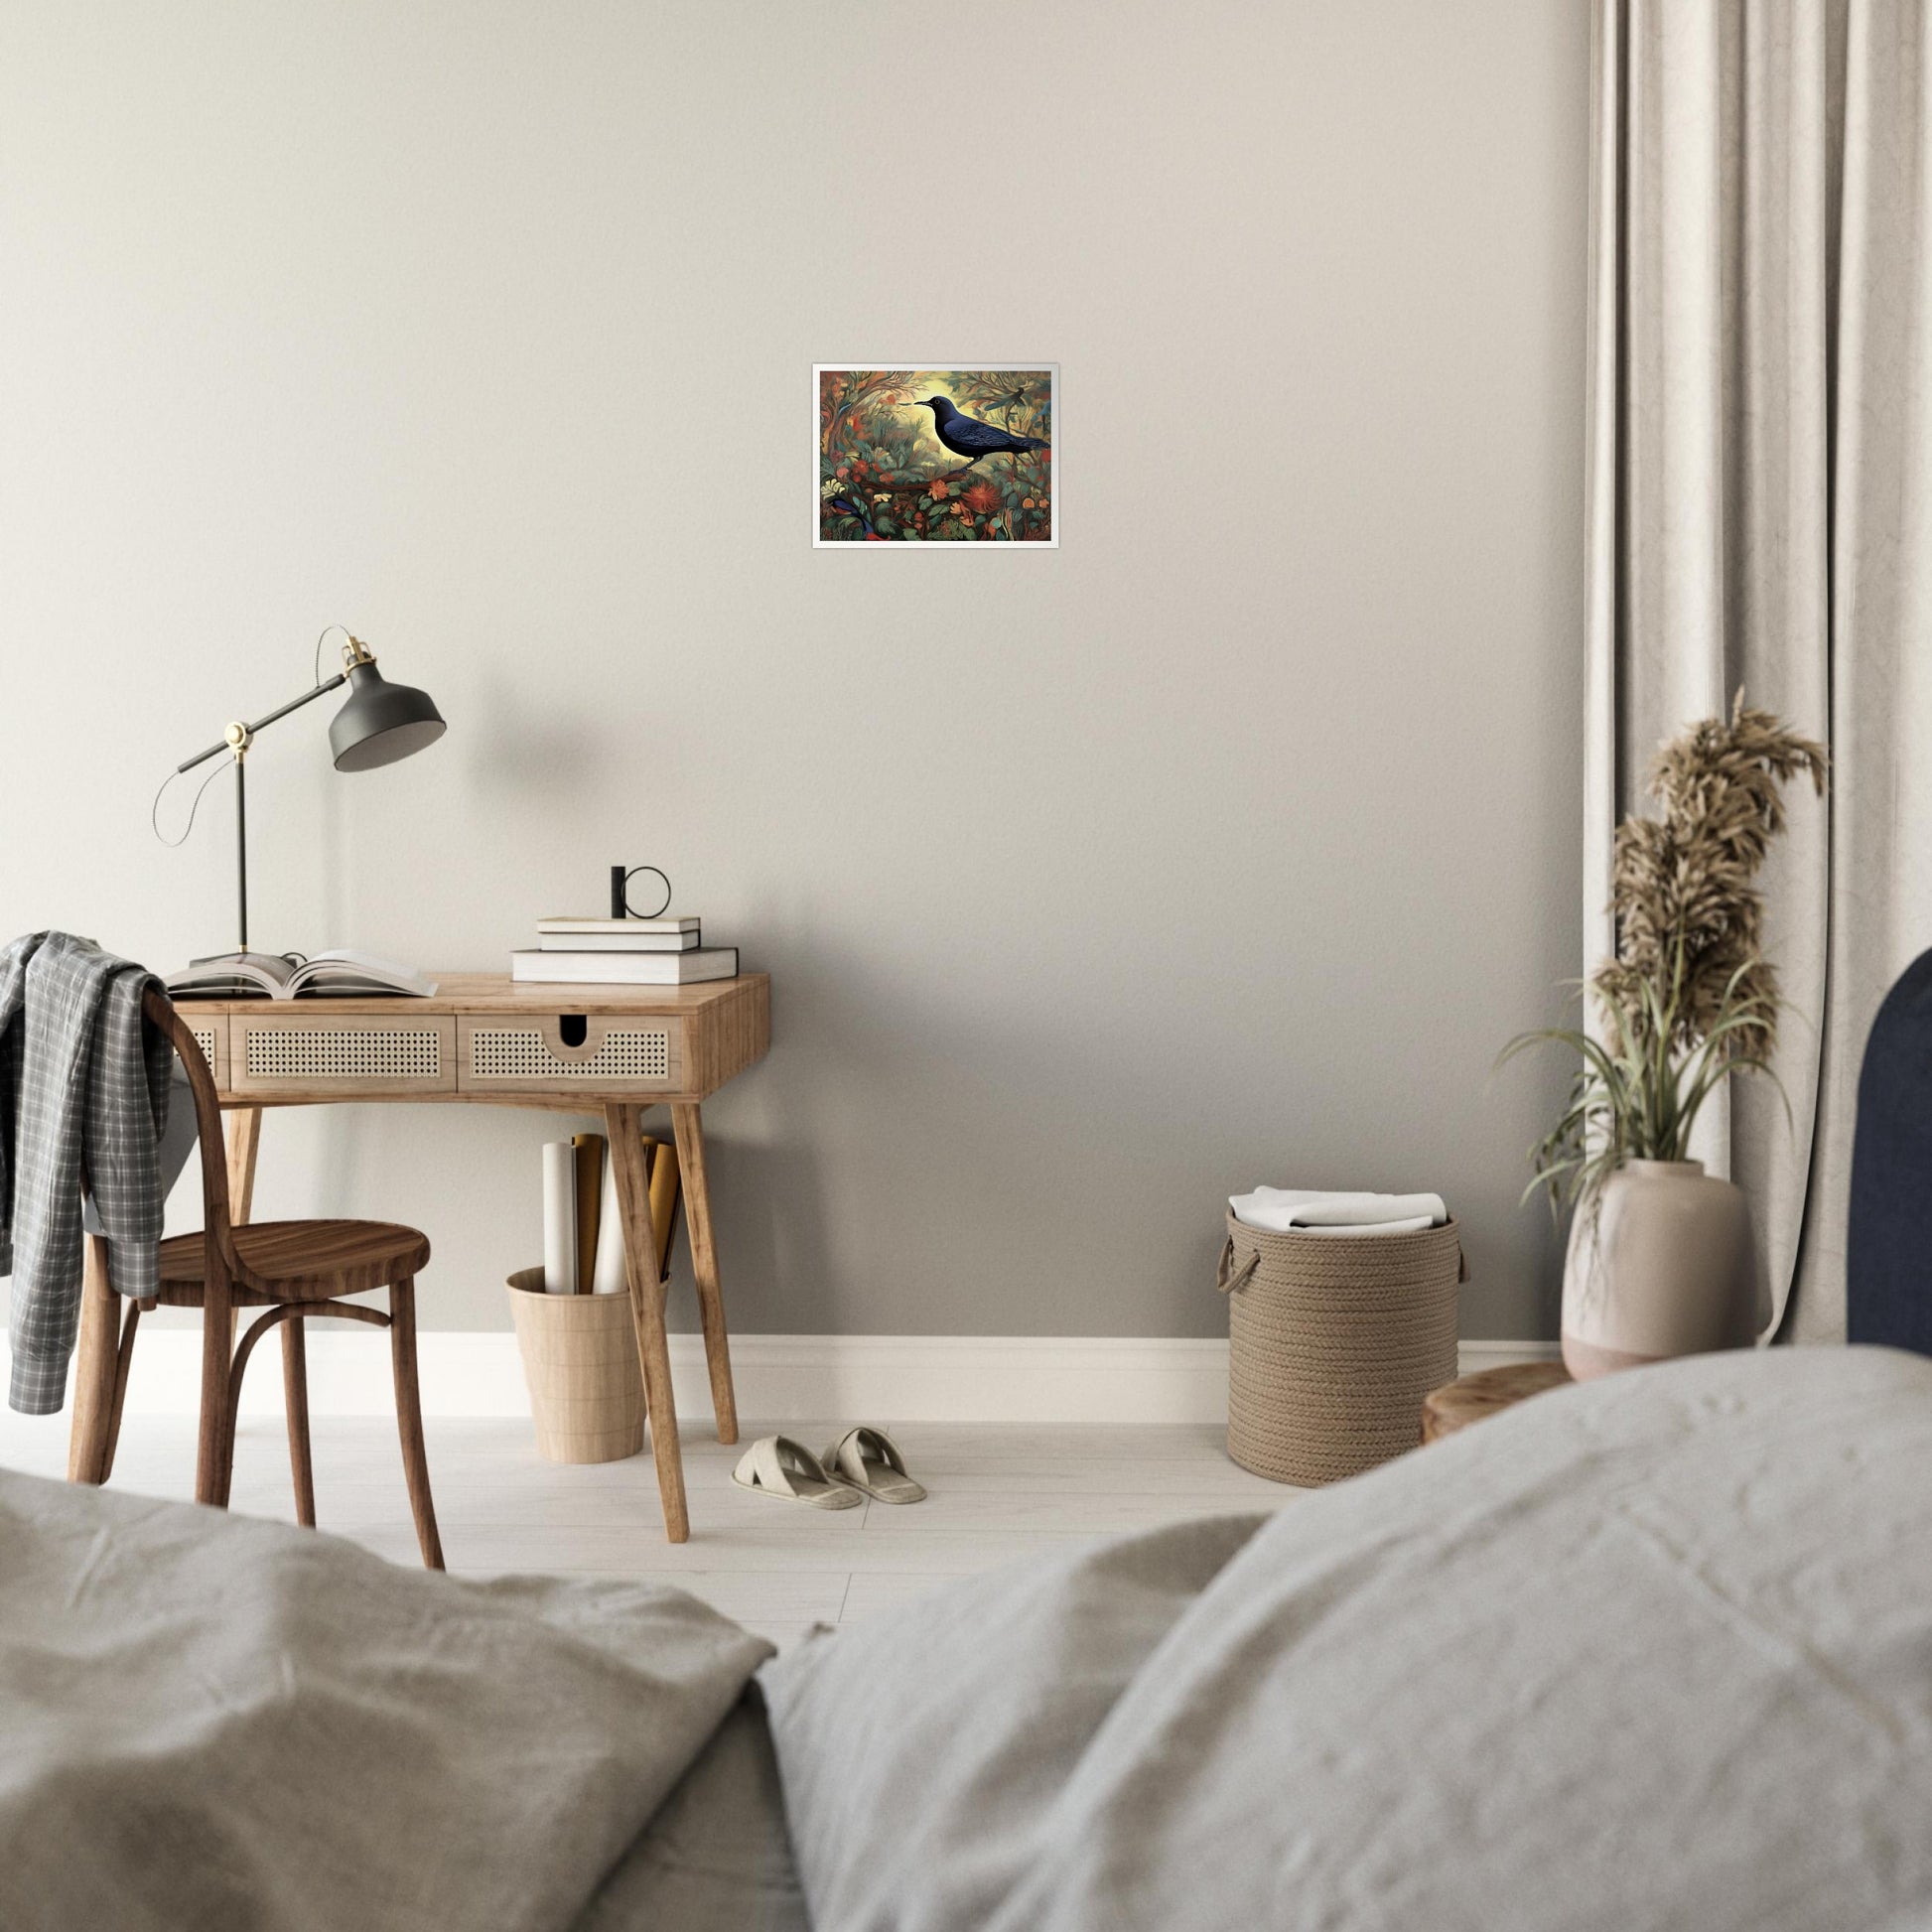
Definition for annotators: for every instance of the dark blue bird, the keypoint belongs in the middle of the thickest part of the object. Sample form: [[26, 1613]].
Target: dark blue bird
[[967, 436]]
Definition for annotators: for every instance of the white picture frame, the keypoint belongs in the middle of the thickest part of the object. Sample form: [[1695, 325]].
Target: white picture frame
[[861, 511]]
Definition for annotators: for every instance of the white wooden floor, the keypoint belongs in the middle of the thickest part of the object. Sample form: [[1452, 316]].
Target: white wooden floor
[[999, 1492]]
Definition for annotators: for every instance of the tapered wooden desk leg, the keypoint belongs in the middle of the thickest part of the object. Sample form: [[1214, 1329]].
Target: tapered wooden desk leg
[[687, 1124], [93, 1368], [624, 1125], [123, 1365], [244, 1139], [245, 1144]]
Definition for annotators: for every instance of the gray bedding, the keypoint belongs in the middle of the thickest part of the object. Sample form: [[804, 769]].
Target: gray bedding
[[716, 1858], [1653, 1652], [1656, 1652], [213, 1723]]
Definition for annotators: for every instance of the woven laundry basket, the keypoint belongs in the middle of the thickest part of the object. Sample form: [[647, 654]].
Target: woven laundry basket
[[1333, 1340]]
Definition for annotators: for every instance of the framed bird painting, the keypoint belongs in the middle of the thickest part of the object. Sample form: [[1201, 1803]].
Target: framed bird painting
[[940, 457]]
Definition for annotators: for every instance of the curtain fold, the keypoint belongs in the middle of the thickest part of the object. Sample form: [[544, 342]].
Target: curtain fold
[[1758, 514]]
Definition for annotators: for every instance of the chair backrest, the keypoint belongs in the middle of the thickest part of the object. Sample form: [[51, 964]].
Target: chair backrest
[[1888, 1240], [216, 1225]]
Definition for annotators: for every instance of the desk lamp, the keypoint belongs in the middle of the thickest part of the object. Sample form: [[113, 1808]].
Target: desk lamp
[[379, 724]]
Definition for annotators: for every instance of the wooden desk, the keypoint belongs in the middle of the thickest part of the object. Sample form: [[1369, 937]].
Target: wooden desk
[[482, 1041]]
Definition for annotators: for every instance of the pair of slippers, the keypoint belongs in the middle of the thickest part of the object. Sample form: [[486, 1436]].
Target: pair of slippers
[[864, 1461]]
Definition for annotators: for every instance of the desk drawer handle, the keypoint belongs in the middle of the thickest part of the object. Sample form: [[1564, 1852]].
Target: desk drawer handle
[[623, 1054]]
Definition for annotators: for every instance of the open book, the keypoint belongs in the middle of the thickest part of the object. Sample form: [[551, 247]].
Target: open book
[[288, 976]]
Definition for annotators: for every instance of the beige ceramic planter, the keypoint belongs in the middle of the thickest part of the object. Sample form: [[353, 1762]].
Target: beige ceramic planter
[[1659, 1266]]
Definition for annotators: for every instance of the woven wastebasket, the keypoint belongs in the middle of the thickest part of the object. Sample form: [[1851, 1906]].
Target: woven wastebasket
[[1333, 1340], [580, 1362]]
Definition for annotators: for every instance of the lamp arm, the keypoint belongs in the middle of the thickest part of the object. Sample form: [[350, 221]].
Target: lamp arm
[[248, 731]]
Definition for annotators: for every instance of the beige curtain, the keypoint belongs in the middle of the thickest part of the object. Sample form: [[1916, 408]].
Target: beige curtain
[[1760, 514]]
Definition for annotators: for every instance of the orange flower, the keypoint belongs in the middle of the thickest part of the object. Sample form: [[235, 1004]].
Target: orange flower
[[982, 498], [937, 493], [1026, 503]]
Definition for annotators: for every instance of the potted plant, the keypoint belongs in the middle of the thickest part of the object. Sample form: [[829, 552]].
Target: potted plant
[[1659, 1258]]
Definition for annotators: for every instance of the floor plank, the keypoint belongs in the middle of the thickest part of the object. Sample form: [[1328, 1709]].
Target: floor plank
[[998, 1495], [980, 1512]]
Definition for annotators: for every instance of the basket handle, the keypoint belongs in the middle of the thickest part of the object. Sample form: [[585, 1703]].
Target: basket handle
[[1228, 1279]]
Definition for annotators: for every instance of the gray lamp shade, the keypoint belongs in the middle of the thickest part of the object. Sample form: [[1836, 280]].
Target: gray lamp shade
[[381, 722]]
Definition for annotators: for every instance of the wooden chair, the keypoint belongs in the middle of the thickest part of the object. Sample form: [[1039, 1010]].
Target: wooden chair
[[292, 1269]]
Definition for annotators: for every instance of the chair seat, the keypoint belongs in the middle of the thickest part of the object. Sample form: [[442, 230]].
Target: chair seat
[[306, 1260]]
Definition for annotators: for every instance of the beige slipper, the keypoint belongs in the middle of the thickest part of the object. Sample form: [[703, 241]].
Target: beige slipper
[[776, 1465], [869, 1459]]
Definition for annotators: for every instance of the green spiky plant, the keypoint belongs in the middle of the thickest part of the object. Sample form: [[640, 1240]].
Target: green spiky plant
[[1690, 997]]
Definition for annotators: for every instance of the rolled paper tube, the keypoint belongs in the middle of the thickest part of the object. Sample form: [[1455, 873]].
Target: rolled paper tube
[[665, 1181], [609, 1278], [588, 1152], [559, 1218]]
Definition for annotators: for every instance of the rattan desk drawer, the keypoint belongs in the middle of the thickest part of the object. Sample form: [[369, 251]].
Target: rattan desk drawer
[[535, 1053], [210, 1030], [313, 1050]]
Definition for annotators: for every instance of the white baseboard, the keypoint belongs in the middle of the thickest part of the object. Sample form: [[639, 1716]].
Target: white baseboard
[[778, 1378], [1473, 1356]]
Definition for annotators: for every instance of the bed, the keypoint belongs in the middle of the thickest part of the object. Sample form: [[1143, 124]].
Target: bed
[[1653, 1651]]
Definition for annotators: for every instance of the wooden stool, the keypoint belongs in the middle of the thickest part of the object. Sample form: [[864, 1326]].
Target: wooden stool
[[1486, 1393], [290, 1269]]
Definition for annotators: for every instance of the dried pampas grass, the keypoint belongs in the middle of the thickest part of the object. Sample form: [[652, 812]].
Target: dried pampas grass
[[1690, 997], [1689, 919]]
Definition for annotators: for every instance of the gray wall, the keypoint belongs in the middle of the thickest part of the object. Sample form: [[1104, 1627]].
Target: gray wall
[[1226, 844]]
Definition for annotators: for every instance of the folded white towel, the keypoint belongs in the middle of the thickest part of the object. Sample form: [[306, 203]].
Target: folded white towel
[[1312, 1211]]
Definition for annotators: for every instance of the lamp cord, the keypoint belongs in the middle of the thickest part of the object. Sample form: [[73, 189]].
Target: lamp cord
[[326, 630], [154, 810]]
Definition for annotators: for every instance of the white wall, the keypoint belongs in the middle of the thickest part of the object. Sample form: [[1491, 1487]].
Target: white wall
[[1224, 843]]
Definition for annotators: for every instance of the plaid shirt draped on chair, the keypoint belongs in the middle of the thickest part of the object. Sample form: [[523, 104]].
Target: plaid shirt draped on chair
[[83, 1088]]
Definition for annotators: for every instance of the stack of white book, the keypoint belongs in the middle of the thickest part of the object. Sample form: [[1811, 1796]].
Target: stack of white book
[[623, 952]]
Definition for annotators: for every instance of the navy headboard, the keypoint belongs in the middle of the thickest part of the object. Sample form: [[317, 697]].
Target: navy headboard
[[1888, 1250]]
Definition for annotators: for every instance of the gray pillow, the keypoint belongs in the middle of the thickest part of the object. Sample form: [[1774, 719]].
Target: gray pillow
[[920, 1750], [1651, 1651]]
